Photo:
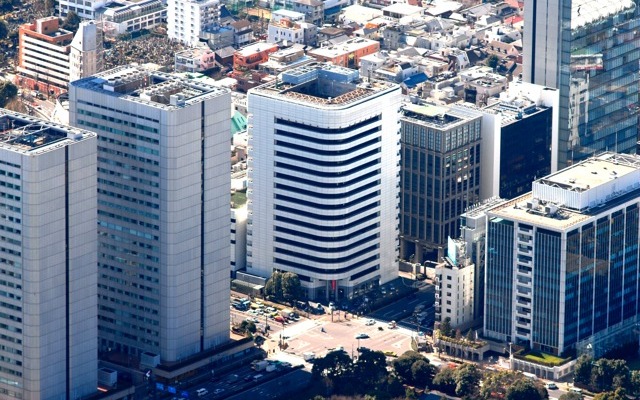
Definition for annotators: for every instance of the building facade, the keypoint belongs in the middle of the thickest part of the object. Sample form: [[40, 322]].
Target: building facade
[[562, 261], [519, 139], [163, 210], [85, 9], [323, 166], [590, 54], [186, 19], [121, 17], [85, 51], [440, 175], [48, 260]]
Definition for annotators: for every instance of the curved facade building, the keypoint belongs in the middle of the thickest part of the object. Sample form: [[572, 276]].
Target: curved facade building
[[323, 180]]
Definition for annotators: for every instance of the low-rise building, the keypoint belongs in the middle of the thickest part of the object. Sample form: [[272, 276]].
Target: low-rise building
[[285, 59], [124, 16], [197, 59], [346, 54], [251, 56], [187, 18], [313, 10]]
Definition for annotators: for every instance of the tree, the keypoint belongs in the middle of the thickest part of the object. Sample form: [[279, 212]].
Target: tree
[[445, 381], [467, 378], [582, 373], [291, 287], [422, 373], [403, 366], [371, 368], [495, 384], [8, 91], [4, 31], [72, 22], [248, 328], [445, 327], [49, 7], [492, 61], [571, 396], [335, 365], [634, 383], [273, 287], [525, 389], [618, 394], [607, 375]]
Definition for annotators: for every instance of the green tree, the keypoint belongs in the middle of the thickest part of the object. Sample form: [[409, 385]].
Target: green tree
[[525, 389], [291, 287], [571, 396], [4, 30], [492, 61], [371, 368], [273, 287], [467, 378], [445, 327], [422, 373], [608, 375], [618, 394], [334, 366], [8, 91], [634, 383], [582, 373], [248, 328], [49, 7], [71, 22], [495, 384], [403, 366], [445, 381]]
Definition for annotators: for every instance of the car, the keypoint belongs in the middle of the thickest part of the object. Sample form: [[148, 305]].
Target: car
[[362, 336], [332, 306], [552, 386], [218, 391], [370, 322]]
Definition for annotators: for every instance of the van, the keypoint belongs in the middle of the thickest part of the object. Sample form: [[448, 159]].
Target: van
[[576, 390], [256, 378], [202, 392]]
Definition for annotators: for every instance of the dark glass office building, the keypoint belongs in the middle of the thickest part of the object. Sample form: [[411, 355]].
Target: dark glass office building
[[589, 50], [562, 260]]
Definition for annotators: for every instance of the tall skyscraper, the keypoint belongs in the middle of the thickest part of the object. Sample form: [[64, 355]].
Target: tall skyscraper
[[48, 288], [589, 51], [562, 261], [323, 179], [163, 209], [440, 175]]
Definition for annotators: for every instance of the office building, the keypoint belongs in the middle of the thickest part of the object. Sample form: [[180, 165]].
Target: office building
[[562, 260], [163, 210], [48, 273], [440, 178], [49, 56], [588, 51], [519, 139], [323, 167], [186, 19]]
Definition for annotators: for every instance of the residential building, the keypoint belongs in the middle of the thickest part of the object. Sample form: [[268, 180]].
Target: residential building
[[218, 36], [196, 59], [519, 139], [49, 56], [562, 260], [163, 210], [285, 59], [186, 19], [460, 274], [346, 54], [47, 259], [588, 52], [250, 57], [124, 16], [242, 32], [440, 178], [323, 167], [85, 9], [313, 10], [85, 51]]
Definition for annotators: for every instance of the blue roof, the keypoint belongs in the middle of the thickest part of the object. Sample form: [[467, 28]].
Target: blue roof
[[416, 79]]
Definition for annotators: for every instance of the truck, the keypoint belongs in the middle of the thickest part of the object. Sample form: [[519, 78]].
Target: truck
[[270, 368], [259, 365], [309, 356]]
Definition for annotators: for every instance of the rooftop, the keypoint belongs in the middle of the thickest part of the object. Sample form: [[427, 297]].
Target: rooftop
[[24, 134], [584, 12], [153, 88], [322, 84], [515, 110], [342, 48], [439, 117]]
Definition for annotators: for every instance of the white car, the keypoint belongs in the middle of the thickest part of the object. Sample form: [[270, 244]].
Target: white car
[[370, 322]]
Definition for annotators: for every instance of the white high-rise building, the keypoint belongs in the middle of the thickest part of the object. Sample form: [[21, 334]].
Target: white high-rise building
[[187, 18], [163, 209], [323, 180], [48, 274]]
